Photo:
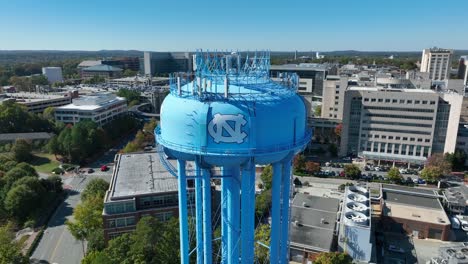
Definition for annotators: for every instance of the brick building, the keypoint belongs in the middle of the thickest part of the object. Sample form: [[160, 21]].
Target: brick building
[[140, 186]]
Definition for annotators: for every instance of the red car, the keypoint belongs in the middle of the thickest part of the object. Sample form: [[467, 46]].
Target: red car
[[104, 168]]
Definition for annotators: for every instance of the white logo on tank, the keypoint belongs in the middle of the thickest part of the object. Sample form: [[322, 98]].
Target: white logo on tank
[[221, 123]]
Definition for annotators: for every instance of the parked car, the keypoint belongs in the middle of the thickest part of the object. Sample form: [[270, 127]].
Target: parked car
[[104, 168], [90, 170]]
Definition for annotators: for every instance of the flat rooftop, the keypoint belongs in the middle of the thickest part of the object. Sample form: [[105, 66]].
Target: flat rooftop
[[138, 174], [316, 222], [414, 207], [35, 97], [92, 102]]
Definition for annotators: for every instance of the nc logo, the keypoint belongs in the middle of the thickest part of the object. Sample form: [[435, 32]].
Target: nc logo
[[227, 128]]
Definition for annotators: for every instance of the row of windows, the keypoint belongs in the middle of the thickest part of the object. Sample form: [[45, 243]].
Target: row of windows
[[396, 130], [395, 123], [121, 222], [401, 117], [158, 201], [401, 101], [412, 139], [400, 149], [163, 216], [399, 109], [119, 207]]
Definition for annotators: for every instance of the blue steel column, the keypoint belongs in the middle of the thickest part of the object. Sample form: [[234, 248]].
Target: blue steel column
[[275, 213], [199, 212], [207, 233], [248, 213], [225, 185], [234, 216], [183, 219], [284, 254]]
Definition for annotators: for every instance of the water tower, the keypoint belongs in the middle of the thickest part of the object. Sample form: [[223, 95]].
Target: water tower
[[224, 119]]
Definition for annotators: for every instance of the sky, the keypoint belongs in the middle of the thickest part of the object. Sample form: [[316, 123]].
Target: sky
[[173, 25]]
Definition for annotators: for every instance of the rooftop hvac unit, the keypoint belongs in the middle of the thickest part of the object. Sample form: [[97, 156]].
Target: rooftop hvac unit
[[358, 189], [358, 198], [355, 206], [357, 218]]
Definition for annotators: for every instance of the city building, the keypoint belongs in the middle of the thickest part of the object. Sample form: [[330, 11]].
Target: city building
[[163, 63], [53, 74], [140, 186], [312, 227], [437, 62], [124, 63], [355, 233], [38, 102], [101, 108], [399, 125], [462, 69], [333, 94], [88, 63], [416, 211], [456, 199], [102, 70]]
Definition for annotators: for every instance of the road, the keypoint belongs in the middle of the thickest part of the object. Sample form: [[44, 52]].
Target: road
[[57, 244]]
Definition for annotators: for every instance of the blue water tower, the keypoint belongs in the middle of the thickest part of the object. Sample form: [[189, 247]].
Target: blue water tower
[[225, 118]]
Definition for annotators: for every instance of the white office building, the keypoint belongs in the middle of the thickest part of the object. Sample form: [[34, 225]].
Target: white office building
[[101, 108], [399, 125], [437, 62], [53, 74]]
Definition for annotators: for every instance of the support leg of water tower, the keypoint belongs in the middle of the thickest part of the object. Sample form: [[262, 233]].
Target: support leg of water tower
[[248, 213], [284, 246], [199, 212], [225, 186], [234, 216], [183, 219], [275, 213], [207, 231]]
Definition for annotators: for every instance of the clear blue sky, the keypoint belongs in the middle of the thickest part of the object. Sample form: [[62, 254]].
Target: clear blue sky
[[175, 25]]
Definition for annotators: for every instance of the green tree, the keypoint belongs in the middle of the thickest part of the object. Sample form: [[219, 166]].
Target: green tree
[[87, 218], [53, 146], [431, 173], [262, 204], [20, 201], [49, 113], [95, 188], [146, 237], [27, 168], [10, 250], [299, 163], [96, 257], [262, 235], [456, 159], [21, 150], [130, 95], [395, 175], [168, 247], [352, 171], [267, 176], [118, 249], [318, 111], [333, 258], [53, 183], [13, 175]]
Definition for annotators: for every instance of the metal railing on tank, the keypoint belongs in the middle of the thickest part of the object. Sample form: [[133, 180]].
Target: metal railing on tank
[[221, 74]]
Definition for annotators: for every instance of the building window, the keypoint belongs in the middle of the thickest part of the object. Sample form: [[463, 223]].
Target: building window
[[390, 137], [417, 102], [402, 101], [380, 100], [427, 140], [412, 139], [424, 102], [366, 99], [397, 138], [409, 101], [419, 139], [373, 100], [405, 138], [432, 102], [394, 101], [387, 100]]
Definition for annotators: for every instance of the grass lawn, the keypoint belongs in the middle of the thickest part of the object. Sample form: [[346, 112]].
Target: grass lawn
[[44, 162]]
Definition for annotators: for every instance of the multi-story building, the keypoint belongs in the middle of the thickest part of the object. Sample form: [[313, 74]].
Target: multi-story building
[[38, 102], [124, 63], [399, 125], [163, 63], [53, 74], [437, 62], [101, 108], [333, 96], [462, 67], [101, 70], [140, 186]]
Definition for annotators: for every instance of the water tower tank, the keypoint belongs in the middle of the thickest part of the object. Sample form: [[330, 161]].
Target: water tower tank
[[229, 114]]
